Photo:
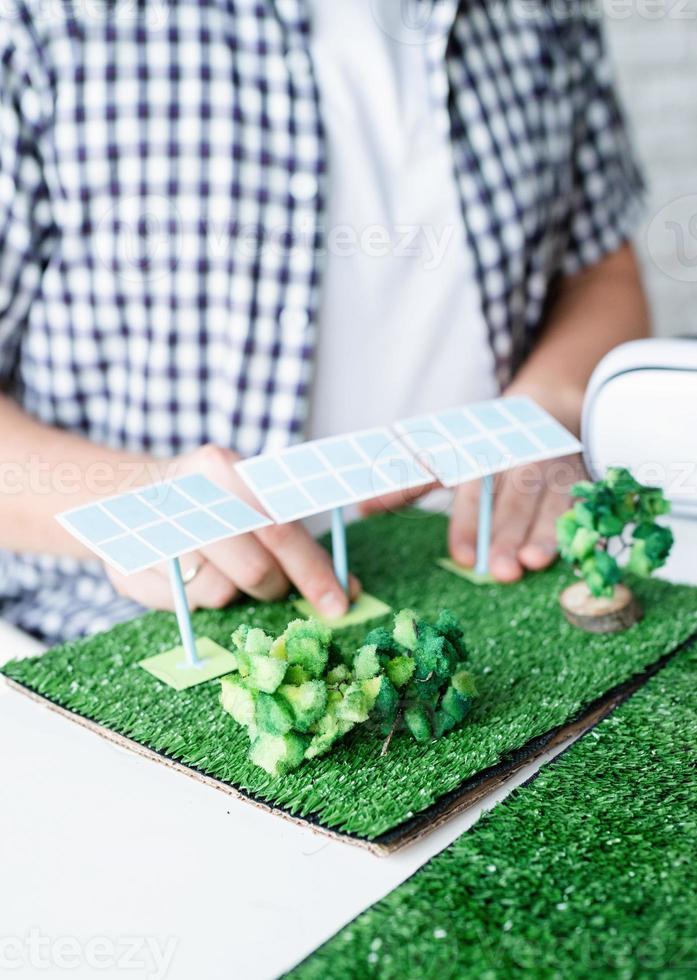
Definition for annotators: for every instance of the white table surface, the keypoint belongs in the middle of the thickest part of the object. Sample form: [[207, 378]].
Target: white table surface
[[112, 866]]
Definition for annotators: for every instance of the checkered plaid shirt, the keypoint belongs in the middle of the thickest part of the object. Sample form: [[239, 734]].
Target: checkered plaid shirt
[[162, 199]]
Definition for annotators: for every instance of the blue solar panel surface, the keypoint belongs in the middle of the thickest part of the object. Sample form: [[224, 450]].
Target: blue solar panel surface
[[146, 526], [475, 440], [143, 527], [332, 472]]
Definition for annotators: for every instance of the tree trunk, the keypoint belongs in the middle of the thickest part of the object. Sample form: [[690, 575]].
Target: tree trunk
[[600, 615]]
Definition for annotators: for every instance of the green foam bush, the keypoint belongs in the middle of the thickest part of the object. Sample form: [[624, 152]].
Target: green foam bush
[[296, 701], [293, 705], [425, 687]]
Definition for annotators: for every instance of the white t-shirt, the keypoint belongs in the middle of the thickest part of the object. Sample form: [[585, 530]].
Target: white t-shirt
[[401, 327]]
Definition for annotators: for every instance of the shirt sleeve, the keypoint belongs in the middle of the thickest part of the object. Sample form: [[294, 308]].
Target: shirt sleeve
[[607, 199], [25, 223]]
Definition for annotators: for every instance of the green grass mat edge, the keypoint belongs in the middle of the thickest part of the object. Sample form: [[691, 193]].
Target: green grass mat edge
[[633, 909]]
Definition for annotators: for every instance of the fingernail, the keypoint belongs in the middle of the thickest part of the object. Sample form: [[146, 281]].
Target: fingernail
[[505, 567], [332, 606], [538, 554]]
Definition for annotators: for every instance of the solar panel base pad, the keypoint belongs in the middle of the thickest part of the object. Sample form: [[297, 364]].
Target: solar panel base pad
[[173, 668], [365, 608], [473, 576]]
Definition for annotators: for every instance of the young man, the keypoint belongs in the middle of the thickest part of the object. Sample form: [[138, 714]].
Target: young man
[[231, 225]]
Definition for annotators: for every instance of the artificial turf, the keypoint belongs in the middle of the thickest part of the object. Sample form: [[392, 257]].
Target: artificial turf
[[534, 672], [589, 871]]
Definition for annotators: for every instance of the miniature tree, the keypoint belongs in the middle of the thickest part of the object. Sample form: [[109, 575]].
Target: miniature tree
[[297, 695], [293, 703], [586, 535], [425, 685]]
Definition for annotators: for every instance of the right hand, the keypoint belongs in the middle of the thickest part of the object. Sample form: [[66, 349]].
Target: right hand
[[263, 564]]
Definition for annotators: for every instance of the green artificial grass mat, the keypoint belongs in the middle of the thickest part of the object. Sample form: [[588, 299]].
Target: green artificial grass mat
[[588, 871], [534, 672]]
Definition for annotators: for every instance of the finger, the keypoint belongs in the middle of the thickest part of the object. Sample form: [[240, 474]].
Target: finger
[[310, 570], [515, 510], [396, 500], [193, 565], [251, 567], [539, 549], [242, 560], [211, 588], [462, 531], [149, 588], [307, 565], [540, 546]]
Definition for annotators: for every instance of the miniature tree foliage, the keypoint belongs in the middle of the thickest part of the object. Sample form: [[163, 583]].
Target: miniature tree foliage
[[297, 695], [292, 701], [601, 514], [425, 686]]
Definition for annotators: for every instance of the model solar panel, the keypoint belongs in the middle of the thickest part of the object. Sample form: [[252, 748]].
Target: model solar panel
[[332, 472], [143, 527], [472, 441]]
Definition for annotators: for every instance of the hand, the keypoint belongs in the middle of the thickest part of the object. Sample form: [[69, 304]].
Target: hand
[[527, 502], [262, 564]]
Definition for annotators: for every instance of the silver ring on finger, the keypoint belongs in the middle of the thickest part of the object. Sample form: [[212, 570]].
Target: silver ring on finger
[[191, 573]]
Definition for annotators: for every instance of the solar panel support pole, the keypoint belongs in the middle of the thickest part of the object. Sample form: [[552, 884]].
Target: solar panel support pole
[[486, 501], [339, 551], [181, 605]]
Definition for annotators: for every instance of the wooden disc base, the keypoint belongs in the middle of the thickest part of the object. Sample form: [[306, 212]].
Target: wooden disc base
[[600, 615]]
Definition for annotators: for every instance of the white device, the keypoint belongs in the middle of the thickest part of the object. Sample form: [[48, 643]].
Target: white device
[[640, 412]]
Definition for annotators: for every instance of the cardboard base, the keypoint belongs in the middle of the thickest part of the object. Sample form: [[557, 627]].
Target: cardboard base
[[476, 578], [173, 668], [470, 792], [366, 607]]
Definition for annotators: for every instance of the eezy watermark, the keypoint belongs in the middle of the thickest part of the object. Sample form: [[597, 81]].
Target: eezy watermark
[[151, 956]]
